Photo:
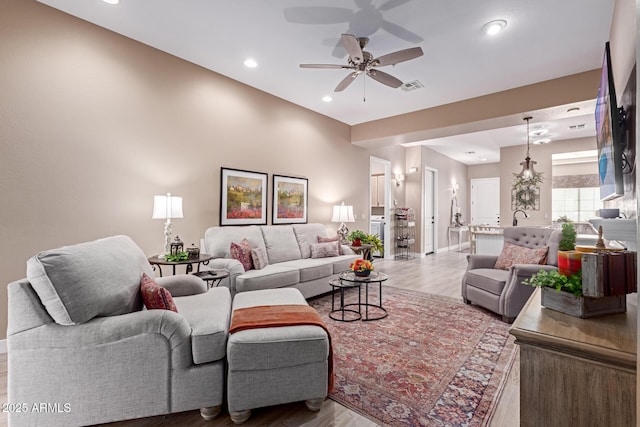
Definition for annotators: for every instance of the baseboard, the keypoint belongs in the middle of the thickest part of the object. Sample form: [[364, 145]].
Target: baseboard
[[3, 346]]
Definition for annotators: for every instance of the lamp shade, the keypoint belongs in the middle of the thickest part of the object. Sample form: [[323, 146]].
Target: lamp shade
[[342, 213], [167, 206]]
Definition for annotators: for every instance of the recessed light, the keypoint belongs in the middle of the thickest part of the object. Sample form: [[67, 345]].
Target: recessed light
[[111, 1], [539, 132], [542, 141], [494, 27], [250, 63], [327, 98], [483, 159]]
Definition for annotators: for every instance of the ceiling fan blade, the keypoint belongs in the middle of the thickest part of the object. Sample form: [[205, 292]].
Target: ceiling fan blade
[[336, 66], [384, 78], [399, 56], [400, 32], [352, 45], [346, 82], [391, 4]]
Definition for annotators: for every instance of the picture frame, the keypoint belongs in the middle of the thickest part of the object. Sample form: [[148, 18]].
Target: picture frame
[[243, 197], [290, 200]]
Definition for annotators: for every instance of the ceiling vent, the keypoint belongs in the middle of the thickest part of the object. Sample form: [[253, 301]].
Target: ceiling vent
[[580, 126], [414, 85]]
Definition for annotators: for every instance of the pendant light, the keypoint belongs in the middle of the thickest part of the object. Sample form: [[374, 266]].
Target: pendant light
[[528, 172]]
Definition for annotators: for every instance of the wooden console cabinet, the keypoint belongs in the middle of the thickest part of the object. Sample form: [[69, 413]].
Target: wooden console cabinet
[[576, 372]]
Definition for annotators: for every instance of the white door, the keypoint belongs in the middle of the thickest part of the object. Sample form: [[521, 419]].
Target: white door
[[485, 201], [429, 211]]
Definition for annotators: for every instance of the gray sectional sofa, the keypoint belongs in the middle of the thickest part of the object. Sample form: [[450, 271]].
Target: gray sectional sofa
[[290, 261]]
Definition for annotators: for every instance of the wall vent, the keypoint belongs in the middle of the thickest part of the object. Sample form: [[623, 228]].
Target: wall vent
[[413, 85]]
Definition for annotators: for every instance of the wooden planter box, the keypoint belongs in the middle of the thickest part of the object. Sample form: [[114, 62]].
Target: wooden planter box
[[583, 307]]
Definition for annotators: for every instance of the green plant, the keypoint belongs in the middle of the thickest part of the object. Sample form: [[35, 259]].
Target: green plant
[[568, 237], [560, 282], [357, 235], [180, 256], [367, 239]]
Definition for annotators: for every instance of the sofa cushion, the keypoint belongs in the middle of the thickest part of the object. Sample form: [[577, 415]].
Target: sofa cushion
[[217, 240], [242, 252], [306, 234], [488, 279], [154, 296], [272, 276], [324, 250], [79, 282], [514, 254], [208, 315], [281, 243], [259, 257], [310, 268]]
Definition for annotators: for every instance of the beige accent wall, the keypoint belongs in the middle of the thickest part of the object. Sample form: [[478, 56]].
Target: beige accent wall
[[93, 124]]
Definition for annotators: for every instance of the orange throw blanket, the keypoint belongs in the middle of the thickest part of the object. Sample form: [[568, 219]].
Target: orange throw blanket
[[271, 316]]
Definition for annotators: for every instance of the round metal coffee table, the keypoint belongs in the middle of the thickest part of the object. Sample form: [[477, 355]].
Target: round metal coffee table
[[343, 313], [349, 279]]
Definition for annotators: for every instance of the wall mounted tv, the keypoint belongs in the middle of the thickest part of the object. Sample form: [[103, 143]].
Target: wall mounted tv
[[609, 134]]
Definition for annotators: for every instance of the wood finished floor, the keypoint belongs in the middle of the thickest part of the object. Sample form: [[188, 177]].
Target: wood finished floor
[[437, 274]]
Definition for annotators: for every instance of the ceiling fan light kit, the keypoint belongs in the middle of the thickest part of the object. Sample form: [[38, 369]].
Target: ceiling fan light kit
[[360, 61]]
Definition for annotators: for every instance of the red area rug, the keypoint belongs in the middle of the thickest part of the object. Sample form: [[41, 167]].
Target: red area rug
[[434, 361]]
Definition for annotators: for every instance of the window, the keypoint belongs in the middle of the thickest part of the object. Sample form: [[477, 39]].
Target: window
[[577, 204]]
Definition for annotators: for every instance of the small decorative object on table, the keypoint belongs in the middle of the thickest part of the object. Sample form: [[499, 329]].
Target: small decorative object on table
[[193, 251], [361, 267], [357, 237]]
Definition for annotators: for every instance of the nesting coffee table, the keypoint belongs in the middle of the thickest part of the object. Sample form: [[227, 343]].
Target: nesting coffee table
[[354, 311]]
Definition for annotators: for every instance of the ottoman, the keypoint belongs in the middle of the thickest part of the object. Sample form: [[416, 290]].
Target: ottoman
[[275, 365]]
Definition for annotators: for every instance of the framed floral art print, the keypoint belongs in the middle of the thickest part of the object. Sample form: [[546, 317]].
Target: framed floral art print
[[243, 197], [289, 200]]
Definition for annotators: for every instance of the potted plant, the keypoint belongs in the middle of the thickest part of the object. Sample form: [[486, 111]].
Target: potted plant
[[564, 294], [569, 261], [357, 237]]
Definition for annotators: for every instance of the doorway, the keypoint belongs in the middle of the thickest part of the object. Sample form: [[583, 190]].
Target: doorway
[[430, 207], [485, 201], [380, 203]]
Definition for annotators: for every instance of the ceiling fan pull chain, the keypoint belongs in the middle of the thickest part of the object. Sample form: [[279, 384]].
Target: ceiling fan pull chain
[[364, 89]]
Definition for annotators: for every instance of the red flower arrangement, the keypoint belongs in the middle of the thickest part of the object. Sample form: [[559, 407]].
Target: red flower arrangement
[[361, 267]]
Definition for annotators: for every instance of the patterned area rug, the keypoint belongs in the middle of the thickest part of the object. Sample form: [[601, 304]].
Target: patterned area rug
[[434, 361]]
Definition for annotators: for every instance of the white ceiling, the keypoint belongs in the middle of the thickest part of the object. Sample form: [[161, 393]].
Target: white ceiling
[[544, 39]]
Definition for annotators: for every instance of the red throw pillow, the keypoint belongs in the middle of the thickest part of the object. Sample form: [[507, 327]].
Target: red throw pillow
[[155, 297], [513, 254], [242, 252]]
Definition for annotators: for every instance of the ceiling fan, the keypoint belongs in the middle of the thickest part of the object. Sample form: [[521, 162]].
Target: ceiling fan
[[361, 61]]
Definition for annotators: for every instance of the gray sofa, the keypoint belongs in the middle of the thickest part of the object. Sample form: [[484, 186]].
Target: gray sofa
[[80, 341], [288, 249]]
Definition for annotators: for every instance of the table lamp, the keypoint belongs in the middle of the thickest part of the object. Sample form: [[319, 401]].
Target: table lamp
[[167, 207], [342, 214]]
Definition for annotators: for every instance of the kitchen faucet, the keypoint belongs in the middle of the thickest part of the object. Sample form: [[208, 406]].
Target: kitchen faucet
[[515, 220]]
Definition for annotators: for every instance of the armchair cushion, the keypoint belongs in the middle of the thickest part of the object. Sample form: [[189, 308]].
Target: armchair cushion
[[208, 315], [491, 280], [182, 284], [155, 297], [100, 278], [513, 254]]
